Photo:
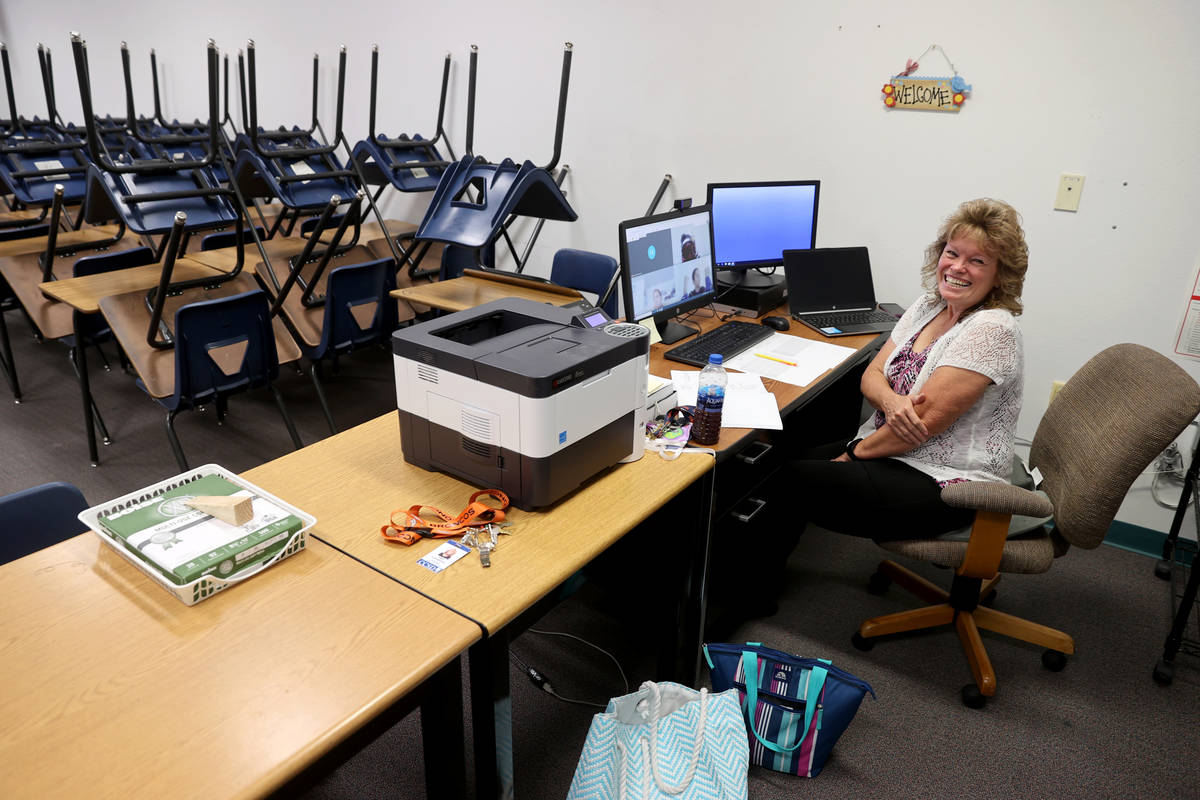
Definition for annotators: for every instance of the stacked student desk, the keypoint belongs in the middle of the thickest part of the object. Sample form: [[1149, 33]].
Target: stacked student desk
[[111, 687]]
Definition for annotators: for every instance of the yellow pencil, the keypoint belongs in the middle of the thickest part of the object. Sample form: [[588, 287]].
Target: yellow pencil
[[773, 358]]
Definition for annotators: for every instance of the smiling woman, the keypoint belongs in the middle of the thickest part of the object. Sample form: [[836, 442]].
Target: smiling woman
[[946, 387]]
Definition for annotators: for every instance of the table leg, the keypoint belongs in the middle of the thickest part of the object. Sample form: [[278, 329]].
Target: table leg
[[491, 714], [85, 388], [442, 733]]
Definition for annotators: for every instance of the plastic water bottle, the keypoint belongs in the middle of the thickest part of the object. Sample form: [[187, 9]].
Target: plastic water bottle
[[710, 399]]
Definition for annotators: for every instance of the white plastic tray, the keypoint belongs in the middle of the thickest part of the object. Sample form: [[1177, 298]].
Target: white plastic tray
[[194, 592]]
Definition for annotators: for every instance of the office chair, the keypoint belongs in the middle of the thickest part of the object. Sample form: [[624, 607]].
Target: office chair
[[588, 272], [36, 518], [1118, 412], [222, 347]]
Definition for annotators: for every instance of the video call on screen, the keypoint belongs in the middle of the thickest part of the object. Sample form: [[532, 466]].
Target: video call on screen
[[669, 265]]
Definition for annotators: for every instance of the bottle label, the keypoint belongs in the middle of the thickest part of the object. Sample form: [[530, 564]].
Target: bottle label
[[710, 399]]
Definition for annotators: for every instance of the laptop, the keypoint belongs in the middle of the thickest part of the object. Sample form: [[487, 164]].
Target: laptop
[[830, 291]]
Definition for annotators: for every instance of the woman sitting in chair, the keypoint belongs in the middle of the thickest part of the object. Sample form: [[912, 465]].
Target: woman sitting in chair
[[946, 388]]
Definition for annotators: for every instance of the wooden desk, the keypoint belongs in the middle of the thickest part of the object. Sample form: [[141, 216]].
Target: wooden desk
[[788, 396], [458, 294], [84, 294], [111, 687], [352, 482], [37, 244], [281, 248]]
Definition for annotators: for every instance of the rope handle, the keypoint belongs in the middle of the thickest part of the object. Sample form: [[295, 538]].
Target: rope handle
[[409, 527], [650, 743]]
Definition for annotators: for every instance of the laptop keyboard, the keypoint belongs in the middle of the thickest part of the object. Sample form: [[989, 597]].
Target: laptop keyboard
[[842, 319], [730, 339]]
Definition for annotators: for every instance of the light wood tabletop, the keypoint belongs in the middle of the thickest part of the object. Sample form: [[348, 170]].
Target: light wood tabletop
[[85, 293], [787, 395], [37, 244], [281, 248], [353, 481], [111, 687], [469, 291]]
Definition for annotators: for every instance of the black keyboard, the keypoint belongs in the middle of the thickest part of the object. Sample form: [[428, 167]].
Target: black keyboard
[[728, 340], [842, 319]]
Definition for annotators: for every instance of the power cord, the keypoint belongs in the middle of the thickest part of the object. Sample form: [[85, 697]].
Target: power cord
[[541, 681]]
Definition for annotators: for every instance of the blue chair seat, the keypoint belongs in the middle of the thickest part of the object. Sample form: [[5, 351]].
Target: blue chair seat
[[381, 164], [502, 189]]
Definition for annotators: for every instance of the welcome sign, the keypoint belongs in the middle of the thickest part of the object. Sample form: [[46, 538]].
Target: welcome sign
[[925, 94]]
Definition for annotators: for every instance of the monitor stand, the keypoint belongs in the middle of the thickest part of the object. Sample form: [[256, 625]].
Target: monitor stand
[[671, 331], [749, 279]]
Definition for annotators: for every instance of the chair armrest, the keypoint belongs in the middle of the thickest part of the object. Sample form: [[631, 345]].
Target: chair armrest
[[997, 497]]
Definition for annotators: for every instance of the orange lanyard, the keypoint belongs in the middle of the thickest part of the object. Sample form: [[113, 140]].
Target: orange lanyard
[[408, 527]]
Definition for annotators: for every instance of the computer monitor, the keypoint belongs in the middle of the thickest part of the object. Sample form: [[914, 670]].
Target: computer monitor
[[754, 222], [667, 268]]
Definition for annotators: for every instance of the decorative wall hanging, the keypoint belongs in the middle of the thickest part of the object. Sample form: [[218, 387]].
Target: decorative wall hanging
[[905, 90]]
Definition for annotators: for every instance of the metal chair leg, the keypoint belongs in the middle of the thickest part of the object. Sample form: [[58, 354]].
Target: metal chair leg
[[104, 434], [6, 361], [175, 446], [287, 418], [315, 372]]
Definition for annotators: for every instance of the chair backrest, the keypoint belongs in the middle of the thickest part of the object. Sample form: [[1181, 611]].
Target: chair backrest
[[587, 272], [358, 309], [223, 239], [36, 518], [224, 346], [1119, 411]]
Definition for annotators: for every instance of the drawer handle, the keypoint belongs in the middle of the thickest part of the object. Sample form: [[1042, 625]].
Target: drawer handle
[[747, 517], [746, 458]]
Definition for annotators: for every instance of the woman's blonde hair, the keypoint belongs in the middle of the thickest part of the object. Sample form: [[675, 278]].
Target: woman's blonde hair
[[995, 227]]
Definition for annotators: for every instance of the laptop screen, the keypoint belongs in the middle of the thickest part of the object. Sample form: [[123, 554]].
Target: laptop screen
[[828, 279]]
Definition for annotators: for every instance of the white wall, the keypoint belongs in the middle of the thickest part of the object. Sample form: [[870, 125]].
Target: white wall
[[763, 90]]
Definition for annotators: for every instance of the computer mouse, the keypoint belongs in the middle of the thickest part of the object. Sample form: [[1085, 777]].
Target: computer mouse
[[778, 323]]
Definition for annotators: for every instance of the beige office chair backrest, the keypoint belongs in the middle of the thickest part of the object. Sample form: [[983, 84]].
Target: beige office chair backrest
[[1119, 411]]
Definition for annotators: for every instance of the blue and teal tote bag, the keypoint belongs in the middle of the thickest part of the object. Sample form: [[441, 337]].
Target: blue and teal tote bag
[[794, 708]]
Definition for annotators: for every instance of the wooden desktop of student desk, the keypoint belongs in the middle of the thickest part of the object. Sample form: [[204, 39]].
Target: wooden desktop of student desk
[[111, 687], [353, 481], [468, 291]]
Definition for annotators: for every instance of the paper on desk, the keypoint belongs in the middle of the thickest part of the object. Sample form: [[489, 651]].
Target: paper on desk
[[748, 404], [810, 358]]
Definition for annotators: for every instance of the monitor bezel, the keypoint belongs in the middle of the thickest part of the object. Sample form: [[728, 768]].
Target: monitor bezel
[[769, 263], [662, 318]]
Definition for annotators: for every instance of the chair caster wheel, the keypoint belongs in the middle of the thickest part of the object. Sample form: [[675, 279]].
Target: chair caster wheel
[[1162, 569], [972, 697], [1164, 672], [878, 583], [861, 642], [1054, 660]]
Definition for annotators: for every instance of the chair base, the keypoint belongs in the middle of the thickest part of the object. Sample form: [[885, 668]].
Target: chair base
[[966, 621]]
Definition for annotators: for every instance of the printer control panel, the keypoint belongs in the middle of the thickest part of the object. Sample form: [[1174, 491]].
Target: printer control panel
[[591, 318]]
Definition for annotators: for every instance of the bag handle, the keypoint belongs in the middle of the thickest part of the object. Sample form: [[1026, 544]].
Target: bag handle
[[816, 682], [650, 747]]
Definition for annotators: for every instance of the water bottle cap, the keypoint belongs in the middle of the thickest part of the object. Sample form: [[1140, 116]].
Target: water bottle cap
[[715, 358]]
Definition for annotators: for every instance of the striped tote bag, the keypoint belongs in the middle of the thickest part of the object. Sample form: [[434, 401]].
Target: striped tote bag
[[665, 741], [794, 708]]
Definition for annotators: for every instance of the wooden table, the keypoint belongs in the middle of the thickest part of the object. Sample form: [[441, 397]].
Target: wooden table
[[789, 397], [352, 482], [65, 239], [111, 687], [469, 291]]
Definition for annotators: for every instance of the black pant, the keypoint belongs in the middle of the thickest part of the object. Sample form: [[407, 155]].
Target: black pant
[[881, 499]]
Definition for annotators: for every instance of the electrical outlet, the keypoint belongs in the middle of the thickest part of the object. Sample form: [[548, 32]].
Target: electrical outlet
[[1069, 188], [1055, 388]]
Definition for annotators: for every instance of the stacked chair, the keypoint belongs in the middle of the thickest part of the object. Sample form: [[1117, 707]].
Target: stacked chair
[[203, 333]]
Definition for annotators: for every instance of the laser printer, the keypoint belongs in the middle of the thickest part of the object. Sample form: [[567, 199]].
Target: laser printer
[[521, 396]]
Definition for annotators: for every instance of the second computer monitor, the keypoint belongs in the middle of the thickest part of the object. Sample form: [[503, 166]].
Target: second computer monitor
[[666, 268], [754, 222]]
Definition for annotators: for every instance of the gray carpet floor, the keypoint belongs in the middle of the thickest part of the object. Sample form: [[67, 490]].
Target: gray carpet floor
[[1101, 728]]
